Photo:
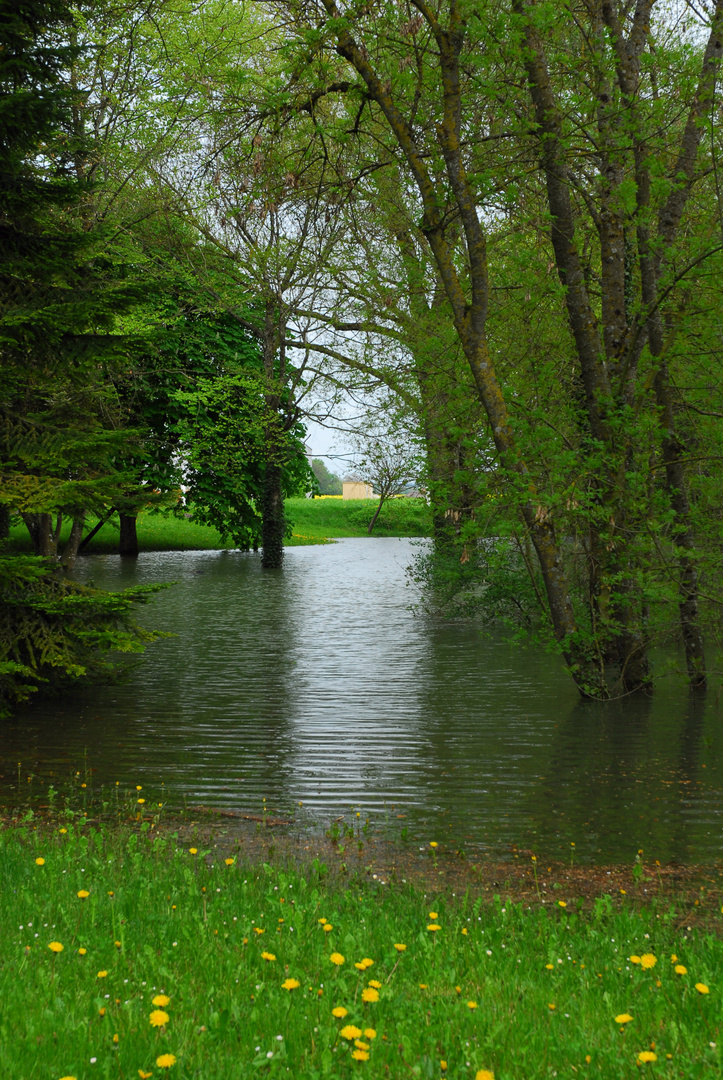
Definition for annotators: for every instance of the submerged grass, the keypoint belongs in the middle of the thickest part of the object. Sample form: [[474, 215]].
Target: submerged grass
[[127, 950]]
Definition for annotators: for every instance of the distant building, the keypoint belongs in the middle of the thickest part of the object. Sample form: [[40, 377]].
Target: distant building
[[355, 489]]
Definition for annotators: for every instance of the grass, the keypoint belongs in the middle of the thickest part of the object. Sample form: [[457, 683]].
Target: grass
[[313, 522], [500, 988]]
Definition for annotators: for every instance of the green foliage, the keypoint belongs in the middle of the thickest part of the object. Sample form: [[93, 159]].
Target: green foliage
[[55, 633], [329, 483]]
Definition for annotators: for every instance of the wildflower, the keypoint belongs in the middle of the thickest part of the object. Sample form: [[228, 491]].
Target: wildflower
[[193, 850], [634, 959], [229, 862], [140, 801], [552, 1007], [258, 930], [647, 960], [443, 1066], [471, 1004], [400, 948], [339, 1012], [55, 946], [165, 1061], [160, 1000], [680, 969], [360, 1055], [458, 989], [350, 1032], [673, 958], [337, 958], [433, 916], [267, 956], [562, 903], [550, 967], [40, 862], [423, 986], [291, 984], [434, 926], [647, 1055], [370, 994], [139, 787], [328, 928], [702, 988], [484, 1074], [623, 1018], [464, 931], [102, 974], [370, 1033], [82, 951], [322, 921], [433, 844], [115, 1038], [67, 1078], [117, 944], [83, 894], [144, 1075], [375, 983], [101, 1012], [62, 830], [158, 1018]]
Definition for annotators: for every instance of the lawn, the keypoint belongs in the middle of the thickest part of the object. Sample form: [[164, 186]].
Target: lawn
[[130, 948], [312, 520]]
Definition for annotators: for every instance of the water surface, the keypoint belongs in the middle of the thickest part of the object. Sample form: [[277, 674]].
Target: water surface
[[317, 685]]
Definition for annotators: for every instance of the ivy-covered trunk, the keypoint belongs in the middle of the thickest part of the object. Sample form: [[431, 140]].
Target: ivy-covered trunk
[[273, 524], [128, 543]]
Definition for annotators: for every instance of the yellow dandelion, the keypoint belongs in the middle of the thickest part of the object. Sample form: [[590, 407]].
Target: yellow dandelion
[[673, 958], [458, 989], [550, 967], [562, 903], [258, 930], [139, 787], [229, 862], [140, 801], [328, 928], [339, 1012], [464, 931], [360, 1055], [634, 959], [82, 951], [623, 1018], [433, 916], [67, 1078], [268, 956], [484, 1074], [322, 921], [144, 1075], [443, 1066], [400, 948], [83, 894], [471, 1004], [375, 983], [646, 1056], [62, 830], [102, 974], [101, 1012], [193, 850], [647, 960], [158, 1018], [361, 1045], [551, 1006], [160, 1000], [350, 1032], [423, 986], [291, 984], [165, 1061], [367, 962], [370, 1033], [370, 994], [680, 969], [434, 926], [702, 988], [55, 946], [115, 1038], [433, 843], [40, 862], [117, 944], [337, 958]]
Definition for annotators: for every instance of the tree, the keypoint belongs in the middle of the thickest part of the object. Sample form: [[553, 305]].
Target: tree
[[386, 458], [329, 483]]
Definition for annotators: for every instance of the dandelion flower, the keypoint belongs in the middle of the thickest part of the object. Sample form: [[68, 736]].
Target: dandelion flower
[[101, 1012], [116, 1038], [158, 1018], [339, 1012], [623, 1018], [67, 1078], [144, 1075], [140, 801], [291, 984], [433, 844], [40, 862], [367, 962], [443, 1066], [193, 850], [375, 983], [82, 951], [229, 862], [165, 1061], [484, 1074], [102, 974], [370, 994], [322, 921], [458, 989], [702, 988], [337, 958], [464, 931], [268, 956], [370, 1033], [328, 928], [62, 830], [552, 1006], [647, 960], [433, 916], [258, 930], [673, 958], [423, 986], [647, 1055], [634, 959], [361, 1045], [434, 926], [400, 948], [680, 969], [360, 1055], [55, 946], [562, 903], [471, 1004], [83, 894], [550, 967], [350, 1032], [160, 1000]]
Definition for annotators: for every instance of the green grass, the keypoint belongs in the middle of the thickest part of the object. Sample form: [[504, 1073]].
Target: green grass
[[313, 521], [160, 918]]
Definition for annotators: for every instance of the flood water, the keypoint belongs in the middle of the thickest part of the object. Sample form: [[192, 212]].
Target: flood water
[[317, 685]]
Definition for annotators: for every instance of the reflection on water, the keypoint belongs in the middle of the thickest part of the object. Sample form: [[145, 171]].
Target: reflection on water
[[317, 685]]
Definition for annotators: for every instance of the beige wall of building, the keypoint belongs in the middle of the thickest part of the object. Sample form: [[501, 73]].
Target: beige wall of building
[[352, 489]]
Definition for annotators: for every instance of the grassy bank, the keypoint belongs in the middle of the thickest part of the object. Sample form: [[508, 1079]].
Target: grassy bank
[[313, 521], [132, 949]]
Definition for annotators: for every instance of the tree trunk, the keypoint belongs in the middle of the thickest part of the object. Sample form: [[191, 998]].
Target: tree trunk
[[273, 519], [70, 551], [44, 539], [128, 543]]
